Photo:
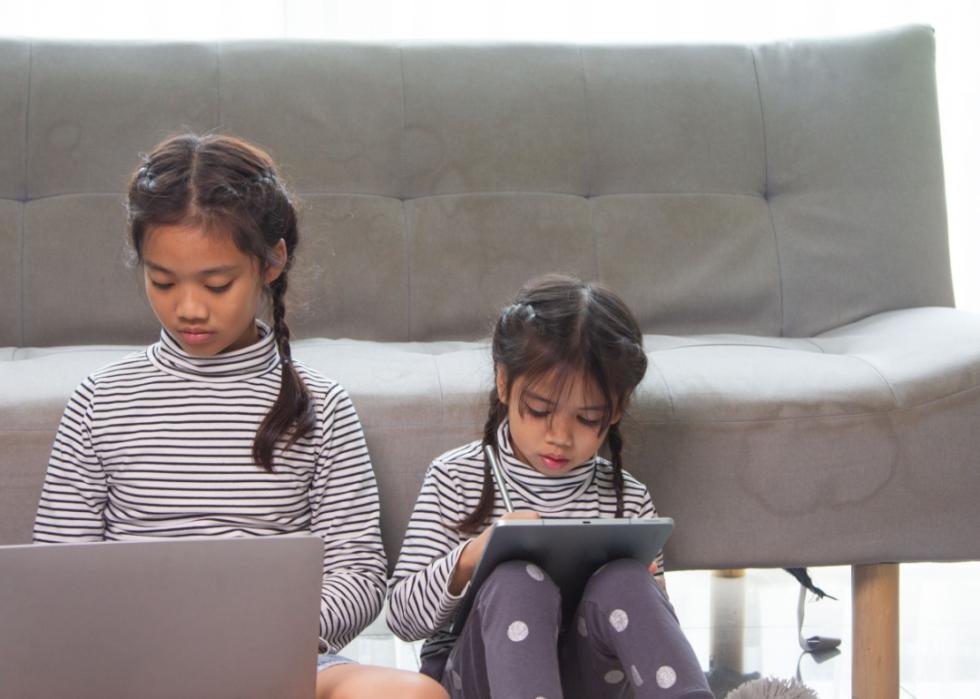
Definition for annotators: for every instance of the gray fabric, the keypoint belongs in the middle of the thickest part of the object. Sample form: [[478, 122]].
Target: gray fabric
[[494, 118], [817, 162], [94, 107], [11, 235], [504, 239], [353, 255], [774, 214], [854, 177], [709, 265], [675, 119], [13, 119], [73, 243], [342, 106]]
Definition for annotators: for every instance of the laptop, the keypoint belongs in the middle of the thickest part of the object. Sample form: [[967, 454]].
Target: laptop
[[569, 550], [189, 618]]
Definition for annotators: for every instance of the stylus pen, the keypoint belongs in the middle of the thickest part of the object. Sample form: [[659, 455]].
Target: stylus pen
[[498, 477]]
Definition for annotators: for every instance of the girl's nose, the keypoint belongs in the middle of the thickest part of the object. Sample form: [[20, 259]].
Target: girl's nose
[[190, 307], [560, 431]]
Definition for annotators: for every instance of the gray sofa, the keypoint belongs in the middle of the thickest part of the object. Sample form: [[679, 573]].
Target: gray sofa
[[773, 213]]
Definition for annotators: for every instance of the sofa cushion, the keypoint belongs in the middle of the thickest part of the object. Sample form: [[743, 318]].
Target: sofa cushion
[[764, 404]]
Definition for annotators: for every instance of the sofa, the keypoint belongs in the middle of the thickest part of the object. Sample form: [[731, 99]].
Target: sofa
[[773, 213]]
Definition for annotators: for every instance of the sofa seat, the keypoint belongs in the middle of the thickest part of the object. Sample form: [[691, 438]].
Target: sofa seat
[[713, 418]]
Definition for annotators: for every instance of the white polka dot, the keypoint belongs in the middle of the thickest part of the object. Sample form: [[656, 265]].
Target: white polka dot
[[619, 620], [614, 676], [637, 680], [666, 677], [535, 572], [457, 680], [517, 631], [582, 628]]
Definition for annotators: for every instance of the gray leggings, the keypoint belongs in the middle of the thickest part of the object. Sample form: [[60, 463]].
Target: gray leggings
[[623, 634]]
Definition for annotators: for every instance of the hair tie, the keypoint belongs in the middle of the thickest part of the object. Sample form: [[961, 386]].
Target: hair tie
[[522, 307]]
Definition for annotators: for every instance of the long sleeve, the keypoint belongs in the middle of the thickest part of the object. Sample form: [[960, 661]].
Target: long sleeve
[[345, 514], [419, 598], [73, 498]]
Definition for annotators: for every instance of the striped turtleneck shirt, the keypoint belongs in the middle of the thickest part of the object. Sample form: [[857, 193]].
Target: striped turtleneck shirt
[[159, 444], [419, 603]]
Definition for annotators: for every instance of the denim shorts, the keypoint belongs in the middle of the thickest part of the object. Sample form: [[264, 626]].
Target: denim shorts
[[325, 660]]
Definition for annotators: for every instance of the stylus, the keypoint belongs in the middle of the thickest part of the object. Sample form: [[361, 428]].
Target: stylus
[[498, 477]]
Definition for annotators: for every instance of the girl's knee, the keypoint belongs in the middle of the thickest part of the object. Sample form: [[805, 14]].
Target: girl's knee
[[419, 686], [520, 575], [612, 579], [518, 580]]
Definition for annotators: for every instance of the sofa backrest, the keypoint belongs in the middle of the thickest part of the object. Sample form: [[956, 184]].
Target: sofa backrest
[[777, 189]]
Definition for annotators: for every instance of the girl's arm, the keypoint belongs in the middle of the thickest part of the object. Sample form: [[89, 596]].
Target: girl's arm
[[345, 514], [74, 494], [419, 600]]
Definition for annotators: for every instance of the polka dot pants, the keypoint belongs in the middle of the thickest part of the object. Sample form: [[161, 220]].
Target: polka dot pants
[[623, 637]]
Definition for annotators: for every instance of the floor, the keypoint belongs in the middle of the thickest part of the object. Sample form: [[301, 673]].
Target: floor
[[744, 627]]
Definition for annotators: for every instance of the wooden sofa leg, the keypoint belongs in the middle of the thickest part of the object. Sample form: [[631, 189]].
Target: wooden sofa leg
[[875, 624]]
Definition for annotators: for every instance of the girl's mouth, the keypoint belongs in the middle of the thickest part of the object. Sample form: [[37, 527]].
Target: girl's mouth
[[554, 462], [196, 337]]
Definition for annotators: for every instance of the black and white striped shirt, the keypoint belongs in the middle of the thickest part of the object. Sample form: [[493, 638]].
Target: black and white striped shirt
[[159, 444], [419, 603]]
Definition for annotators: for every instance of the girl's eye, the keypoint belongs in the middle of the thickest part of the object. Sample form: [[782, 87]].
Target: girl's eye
[[536, 413], [219, 289], [589, 422], [161, 285]]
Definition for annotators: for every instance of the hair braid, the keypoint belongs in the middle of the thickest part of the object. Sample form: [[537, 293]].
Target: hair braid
[[615, 441], [478, 517], [292, 414]]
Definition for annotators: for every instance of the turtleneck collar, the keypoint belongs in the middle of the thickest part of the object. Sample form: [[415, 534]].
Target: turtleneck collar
[[245, 363], [547, 493]]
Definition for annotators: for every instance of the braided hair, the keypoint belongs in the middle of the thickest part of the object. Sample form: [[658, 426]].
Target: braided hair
[[226, 185], [561, 327]]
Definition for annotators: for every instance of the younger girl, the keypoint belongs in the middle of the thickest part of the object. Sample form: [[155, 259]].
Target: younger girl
[[215, 430], [567, 356]]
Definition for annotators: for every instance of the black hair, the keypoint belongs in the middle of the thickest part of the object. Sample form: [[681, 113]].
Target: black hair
[[562, 327], [229, 186]]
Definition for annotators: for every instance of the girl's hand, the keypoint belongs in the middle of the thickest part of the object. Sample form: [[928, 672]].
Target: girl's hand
[[660, 581], [474, 550]]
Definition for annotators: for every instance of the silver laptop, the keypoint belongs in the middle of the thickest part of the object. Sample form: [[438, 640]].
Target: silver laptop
[[163, 618]]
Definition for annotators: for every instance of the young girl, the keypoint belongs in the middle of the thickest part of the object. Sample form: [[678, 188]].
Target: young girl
[[567, 356], [215, 430]]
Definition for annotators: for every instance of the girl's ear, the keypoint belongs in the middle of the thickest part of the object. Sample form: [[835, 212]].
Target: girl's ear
[[280, 256], [501, 376]]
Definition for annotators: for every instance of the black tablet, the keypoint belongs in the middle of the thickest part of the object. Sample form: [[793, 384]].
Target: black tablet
[[569, 550]]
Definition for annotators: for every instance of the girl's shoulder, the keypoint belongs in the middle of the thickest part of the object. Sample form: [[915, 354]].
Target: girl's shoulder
[[134, 365], [316, 382], [463, 462], [631, 484]]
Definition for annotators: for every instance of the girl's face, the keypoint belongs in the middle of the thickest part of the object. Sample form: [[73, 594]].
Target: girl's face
[[203, 289], [555, 433]]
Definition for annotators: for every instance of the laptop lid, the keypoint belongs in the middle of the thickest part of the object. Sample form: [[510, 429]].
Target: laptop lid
[[161, 618]]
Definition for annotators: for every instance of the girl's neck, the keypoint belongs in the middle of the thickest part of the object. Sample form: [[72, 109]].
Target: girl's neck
[[246, 362], [546, 493]]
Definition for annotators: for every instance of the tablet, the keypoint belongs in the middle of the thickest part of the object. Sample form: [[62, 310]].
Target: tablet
[[569, 550]]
